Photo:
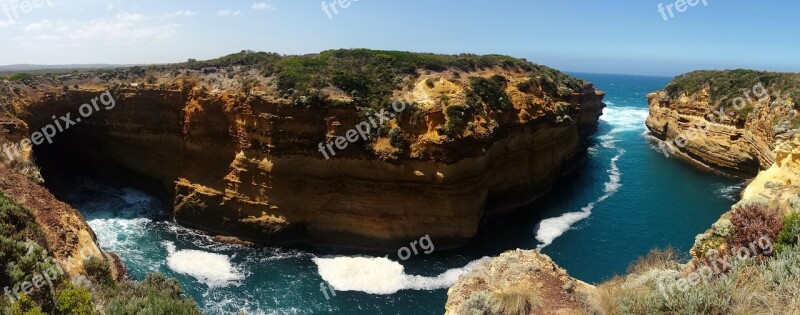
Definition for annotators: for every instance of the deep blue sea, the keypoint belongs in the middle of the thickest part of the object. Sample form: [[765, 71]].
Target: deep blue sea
[[627, 199]]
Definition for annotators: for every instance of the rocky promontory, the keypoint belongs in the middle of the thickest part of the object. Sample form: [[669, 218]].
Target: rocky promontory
[[741, 123], [266, 148]]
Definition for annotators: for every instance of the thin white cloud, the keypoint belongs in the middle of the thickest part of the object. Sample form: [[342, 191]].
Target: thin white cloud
[[128, 17], [228, 12], [186, 13], [263, 6], [38, 27], [6, 23], [182, 13], [121, 28]]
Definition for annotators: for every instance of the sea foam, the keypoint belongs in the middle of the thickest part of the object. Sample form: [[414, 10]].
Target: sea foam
[[550, 229], [213, 270], [380, 275], [625, 118]]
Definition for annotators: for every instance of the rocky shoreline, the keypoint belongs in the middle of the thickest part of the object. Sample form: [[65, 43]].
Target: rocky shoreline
[[760, 141]]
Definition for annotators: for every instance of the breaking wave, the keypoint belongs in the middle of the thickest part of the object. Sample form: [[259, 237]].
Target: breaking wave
[[552, 228]]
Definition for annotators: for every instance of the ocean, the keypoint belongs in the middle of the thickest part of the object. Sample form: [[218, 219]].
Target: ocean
[[626, 199]]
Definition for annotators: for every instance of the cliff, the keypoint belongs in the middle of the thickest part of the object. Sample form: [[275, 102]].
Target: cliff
[[250, 145], [741, 123], [728, 121]]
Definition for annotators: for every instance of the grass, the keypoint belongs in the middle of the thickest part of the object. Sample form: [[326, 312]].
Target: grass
[[509, 302], [749, 287]]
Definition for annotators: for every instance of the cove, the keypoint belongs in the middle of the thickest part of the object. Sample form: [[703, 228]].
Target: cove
[[623, 201]]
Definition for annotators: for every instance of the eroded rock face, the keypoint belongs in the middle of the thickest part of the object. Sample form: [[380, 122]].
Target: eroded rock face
[[247, 164], [691, 129]]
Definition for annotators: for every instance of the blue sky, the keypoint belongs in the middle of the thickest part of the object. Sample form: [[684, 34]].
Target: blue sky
[[623, 36]]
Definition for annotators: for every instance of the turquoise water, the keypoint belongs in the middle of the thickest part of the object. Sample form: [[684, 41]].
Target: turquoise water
[[625, 200]]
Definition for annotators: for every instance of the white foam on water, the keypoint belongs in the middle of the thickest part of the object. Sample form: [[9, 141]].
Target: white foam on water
[[730, 192], [625, 118], [380, 275], [608, 141], [552, 228], [116, 234], [211, 269], [614, 178]]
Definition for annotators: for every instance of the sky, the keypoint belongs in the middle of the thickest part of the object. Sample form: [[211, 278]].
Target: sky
[[621, 36]]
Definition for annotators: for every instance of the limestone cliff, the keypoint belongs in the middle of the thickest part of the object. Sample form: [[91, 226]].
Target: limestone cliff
[[236, 142], [738, 122], [700, 119], [728, 121]]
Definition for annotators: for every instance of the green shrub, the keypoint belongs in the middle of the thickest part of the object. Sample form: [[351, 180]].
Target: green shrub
[[156, 295], [492, 92], [457, 116], [397, 138], [430, 83], [527, 86], [17, 223], [75, 301], [21, 256], [413, 114], [24, 306], [20, 77], [788, 236], [99, 271]]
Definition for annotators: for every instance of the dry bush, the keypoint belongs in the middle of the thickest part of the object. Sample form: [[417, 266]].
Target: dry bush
[[507, 302], [751, 223], [656, 259]]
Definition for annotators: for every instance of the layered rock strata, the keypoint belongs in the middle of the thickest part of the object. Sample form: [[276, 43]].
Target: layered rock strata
[[245, 161]]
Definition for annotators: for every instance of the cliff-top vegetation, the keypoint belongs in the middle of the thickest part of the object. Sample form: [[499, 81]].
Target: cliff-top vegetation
[[23, 257]]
